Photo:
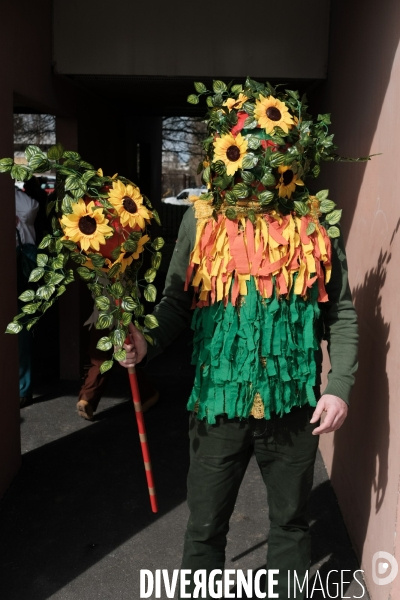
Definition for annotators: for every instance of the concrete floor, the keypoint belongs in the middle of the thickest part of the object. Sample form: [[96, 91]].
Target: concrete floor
[[76, 523]]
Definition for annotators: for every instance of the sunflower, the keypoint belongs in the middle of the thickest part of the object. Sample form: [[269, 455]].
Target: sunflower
[[128, 202], [287, 182], [231, 151], [235, 103], [125, 258], [271, 112], [85, 226]]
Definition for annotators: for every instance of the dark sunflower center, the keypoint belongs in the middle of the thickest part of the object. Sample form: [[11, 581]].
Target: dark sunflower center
[[233, 153], [128, 254], [129, 205], [273, 113], [287, 177], [87, 225]]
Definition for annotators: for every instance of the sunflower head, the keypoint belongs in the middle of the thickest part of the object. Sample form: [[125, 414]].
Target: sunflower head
[[126, 258], [231, 151], [128, 203], [87, 225], [236, 103], [287, 182], [271, 112]]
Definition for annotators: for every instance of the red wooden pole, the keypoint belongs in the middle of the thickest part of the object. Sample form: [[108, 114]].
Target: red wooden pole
[[143, 437]]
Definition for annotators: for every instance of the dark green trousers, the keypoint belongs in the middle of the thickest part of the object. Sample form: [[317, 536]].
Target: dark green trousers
[[285, 451]]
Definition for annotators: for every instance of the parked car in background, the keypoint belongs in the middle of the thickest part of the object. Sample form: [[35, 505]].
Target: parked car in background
[[182, 199], [48, 183]]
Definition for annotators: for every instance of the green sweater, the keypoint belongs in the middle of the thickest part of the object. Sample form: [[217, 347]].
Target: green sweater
[[337, 322]]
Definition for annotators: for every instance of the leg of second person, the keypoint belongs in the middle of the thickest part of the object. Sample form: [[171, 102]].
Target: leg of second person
[[219, 455]]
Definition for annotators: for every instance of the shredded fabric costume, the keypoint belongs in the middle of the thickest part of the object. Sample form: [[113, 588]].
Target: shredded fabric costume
[[257, 289]]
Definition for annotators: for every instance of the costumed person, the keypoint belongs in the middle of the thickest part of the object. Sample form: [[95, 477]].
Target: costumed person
[[26, 209], [262, 262]]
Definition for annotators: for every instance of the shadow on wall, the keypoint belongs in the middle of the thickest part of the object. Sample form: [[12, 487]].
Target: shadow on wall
[[363, 45], [369, 407]]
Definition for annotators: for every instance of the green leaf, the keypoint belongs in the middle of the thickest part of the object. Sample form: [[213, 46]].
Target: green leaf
[[126, 318], [316, 171], [128, 303], [149, 339], [72, 155], [55, 152], [139, 311], [326, 206], [72, 182], [301, 208], [322, 195], [217, 100], [78, 258], [70, 277], [45, 292], [193, 99], [104, 344], [117, 290], [97, 260], [249, 107], [219, 87], [29, 309], [88, 175], [230, 214], [129, 246], [56, 278], [18, 317], [21, 173], [45, 242], [236, 89], [85, 273], [106, 366], [253, 142], [39, 163], [249, 161], [114, 270], [310, 228], [31, 150], [252, 216], [102, 302], [50, 207], [104, 321], [36, 274], [156, 260], [150, 293], [334, 217], [61, 290], [333, 232], [200, 87], [209, 101], [250, 123], [6, 165], [326, 118], [268, 179], [240, 190], [207, 174], [42, 260], [230, 197], [266, 197], [27, 296], [31, 323], [118, 337], [219, 167], [150, 321], [150, 275], [116, 252], [277, 158], [66, 205], [120, 354], [247, 177], [13, 327], [47, 305], [156, 217]]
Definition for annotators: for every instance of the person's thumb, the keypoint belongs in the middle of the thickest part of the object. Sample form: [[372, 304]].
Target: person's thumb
[[317, 412]]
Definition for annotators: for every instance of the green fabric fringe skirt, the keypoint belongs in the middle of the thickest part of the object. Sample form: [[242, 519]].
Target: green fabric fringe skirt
[[266, 346]]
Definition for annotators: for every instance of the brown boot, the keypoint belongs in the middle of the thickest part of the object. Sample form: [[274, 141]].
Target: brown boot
[[85, 410]]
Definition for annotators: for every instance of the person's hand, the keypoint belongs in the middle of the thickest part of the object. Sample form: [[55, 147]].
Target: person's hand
[[136, 350], [336, 412]]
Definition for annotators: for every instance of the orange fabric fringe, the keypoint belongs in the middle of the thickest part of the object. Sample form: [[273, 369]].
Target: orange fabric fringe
[[227, 253]]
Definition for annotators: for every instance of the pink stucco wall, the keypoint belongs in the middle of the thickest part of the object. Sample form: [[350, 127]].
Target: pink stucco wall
[[363, 94]]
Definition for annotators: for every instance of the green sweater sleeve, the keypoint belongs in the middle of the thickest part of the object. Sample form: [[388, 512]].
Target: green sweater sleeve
[[174, 311], [340, 326]]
